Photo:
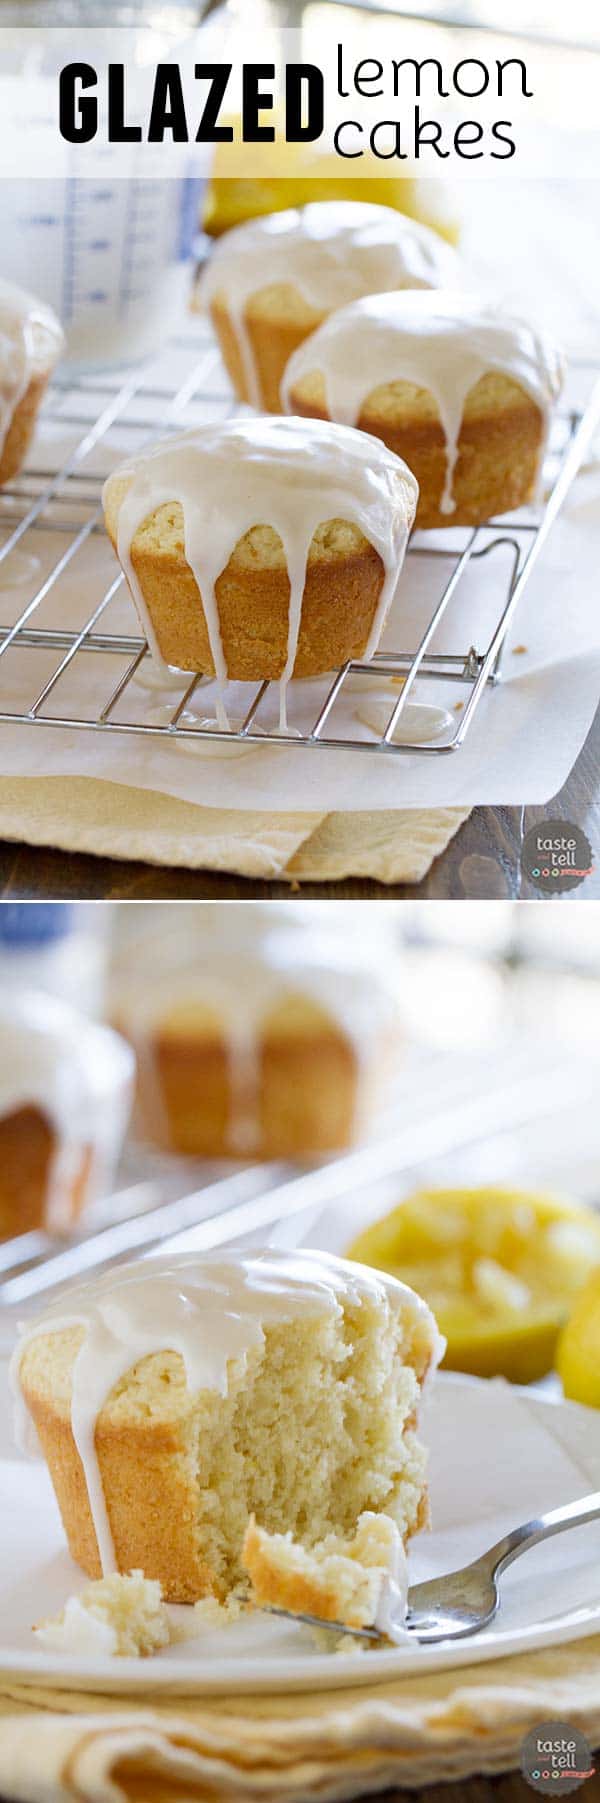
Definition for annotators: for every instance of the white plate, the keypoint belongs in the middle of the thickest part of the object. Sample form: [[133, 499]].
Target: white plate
[[498, 1456]]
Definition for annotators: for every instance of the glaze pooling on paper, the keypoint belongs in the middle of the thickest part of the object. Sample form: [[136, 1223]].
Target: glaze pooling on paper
[[331, 252], [443, 342], [290, 474], [211, 1310]]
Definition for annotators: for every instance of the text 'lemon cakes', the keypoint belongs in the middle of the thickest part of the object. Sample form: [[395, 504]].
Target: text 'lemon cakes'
[[273, 280], [262, 548], [463, 392], [65, 1093], [174, 1398], [31, 341], [256, 1039]]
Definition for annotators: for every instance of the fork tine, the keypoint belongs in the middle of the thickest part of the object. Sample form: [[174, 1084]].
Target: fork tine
[[316, 1621]]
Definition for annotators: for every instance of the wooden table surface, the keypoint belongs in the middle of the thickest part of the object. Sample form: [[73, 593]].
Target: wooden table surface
[[510, 1788], [482, 862]]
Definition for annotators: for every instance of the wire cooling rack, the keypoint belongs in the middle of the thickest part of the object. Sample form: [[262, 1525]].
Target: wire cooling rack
[[94, 413]]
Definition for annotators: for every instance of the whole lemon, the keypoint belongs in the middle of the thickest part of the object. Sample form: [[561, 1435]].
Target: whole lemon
[[578, 1350]]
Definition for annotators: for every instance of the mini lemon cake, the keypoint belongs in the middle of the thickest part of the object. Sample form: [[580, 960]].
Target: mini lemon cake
[[262, 548], [255, 1039], [175, 1398], [463, 392], [273, 280], [66, 1087], [31, 341], [357, 1582]]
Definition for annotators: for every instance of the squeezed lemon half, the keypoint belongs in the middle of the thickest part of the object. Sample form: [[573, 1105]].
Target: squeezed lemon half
[[500, 1268], [578, 1350]]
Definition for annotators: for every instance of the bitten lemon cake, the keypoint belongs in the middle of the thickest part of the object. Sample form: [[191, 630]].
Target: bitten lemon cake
[[31, 341], [65, 1093], [174, 1398], [262, 548], [271, 281], [254, 1039], [462, 391]]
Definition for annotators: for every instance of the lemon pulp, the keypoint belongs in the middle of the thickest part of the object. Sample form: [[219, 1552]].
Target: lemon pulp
[[500, 1268]]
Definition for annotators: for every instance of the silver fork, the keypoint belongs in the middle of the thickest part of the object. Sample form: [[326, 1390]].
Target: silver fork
[[462, 1602]]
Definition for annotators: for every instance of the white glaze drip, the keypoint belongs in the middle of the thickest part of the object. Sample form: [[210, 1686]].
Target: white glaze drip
[[331, 252], [291, 474], [210, 1310], [442, 342], [392, 1605], [418, 723], [77, 1074], [30, 343]]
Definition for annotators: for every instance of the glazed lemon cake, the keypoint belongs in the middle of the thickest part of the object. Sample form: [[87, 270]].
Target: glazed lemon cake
[[31, 341], [65, 1093], [462, 391], [273, 280], [174, 1398], [255, 1039], [262, 548]]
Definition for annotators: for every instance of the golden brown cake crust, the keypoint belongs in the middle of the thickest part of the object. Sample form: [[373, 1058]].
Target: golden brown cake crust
[[307, 1095], [344, 579], [498, 449], [21, 428], [277, 320], [27, 1147], [275, 1588], [280, 1586], [144, 1481]]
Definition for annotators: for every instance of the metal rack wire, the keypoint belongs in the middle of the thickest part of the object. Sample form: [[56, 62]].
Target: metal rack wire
[[66, 501]]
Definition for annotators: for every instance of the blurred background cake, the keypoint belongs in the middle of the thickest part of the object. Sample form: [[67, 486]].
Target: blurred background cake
[[273, 280], [255, 1035], [31, 341], [65, 1094]]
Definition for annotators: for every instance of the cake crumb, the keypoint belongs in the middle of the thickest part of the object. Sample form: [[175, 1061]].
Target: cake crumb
[[519, 650], [458, 707], [121, 1616], [323, 1642], [210, 1613]]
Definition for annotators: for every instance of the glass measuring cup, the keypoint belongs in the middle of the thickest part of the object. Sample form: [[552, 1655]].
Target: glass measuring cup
[[108, 251]]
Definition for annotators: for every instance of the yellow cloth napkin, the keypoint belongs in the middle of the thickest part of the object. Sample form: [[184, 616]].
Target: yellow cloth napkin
[[113, 820], [58, 1746]]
